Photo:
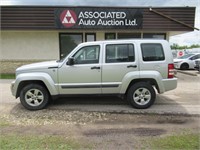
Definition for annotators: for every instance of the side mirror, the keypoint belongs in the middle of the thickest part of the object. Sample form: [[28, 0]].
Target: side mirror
[[70, 61]]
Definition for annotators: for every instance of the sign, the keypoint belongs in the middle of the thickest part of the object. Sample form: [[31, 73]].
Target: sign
[[180, 53], [98, 18]]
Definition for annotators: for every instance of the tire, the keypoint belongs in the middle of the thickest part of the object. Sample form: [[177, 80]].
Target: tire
[[141, 95], [184, 66], [34, 97]]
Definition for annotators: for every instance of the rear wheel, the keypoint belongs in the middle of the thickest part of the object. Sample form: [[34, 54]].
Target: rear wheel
[[141, 95], [34, 97], [184, 66]]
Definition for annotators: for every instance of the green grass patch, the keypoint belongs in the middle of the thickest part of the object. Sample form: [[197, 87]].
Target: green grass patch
[[7, 76], [178, 142], [36, 142], [4, 123]]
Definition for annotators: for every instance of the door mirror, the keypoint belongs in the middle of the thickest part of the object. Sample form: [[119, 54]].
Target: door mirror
[[70, 61]]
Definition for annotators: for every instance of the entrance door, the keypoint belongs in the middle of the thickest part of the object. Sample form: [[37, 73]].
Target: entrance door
[[84, 77], [68, 41]]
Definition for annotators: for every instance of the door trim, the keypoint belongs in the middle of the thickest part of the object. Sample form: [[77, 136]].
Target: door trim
[[97, 85]]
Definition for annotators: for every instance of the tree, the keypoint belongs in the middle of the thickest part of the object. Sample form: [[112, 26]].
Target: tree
[[178, 47]]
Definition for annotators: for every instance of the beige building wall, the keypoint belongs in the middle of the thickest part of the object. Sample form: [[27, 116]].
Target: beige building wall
[[23, 47], [100, 36], [29, 45]]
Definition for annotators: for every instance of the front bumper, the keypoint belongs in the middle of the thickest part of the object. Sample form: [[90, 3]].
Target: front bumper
[[177, 65], [13, 89]]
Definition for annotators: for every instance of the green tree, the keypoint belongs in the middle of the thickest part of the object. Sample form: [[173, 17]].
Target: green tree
[[178, 47]]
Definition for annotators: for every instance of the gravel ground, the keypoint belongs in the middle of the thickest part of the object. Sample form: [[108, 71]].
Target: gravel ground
[[107, 123], [100, 130]]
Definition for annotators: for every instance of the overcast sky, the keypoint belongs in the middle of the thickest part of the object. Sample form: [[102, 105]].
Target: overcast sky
[[183, 39]]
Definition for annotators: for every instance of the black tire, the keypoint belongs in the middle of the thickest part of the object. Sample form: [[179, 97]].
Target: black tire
[[184, 66], [34, 97], [141, 95]]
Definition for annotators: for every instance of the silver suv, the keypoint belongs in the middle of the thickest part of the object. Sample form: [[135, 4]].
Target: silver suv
[[134, 69]]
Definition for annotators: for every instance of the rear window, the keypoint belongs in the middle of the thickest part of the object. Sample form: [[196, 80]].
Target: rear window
[[152, 52]]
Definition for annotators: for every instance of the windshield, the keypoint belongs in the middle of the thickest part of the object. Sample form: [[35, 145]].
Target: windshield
[[185, 56]]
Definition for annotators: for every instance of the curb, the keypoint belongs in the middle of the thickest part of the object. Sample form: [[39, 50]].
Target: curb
[[187, 73]]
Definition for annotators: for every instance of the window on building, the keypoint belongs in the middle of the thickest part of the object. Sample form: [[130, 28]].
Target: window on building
[[87, 55], [152, 52], [154, 35], [109, 36], [116, 53], [68, 41], [89, 37], [129, 35]]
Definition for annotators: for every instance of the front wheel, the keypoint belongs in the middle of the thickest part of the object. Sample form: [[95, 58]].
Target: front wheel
[[34, 97], [184, 66], [141, 95]]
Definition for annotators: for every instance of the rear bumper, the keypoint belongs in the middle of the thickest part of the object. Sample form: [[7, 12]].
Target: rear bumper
[[169, 84]]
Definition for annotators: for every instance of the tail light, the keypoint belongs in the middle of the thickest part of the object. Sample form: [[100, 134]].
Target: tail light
[[171, 70]]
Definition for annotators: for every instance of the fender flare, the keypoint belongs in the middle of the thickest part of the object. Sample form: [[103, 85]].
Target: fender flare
[[43, 77], [135, 75]]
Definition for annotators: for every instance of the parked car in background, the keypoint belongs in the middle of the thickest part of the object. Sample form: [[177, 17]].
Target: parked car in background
[[186, 62], [197, 64]]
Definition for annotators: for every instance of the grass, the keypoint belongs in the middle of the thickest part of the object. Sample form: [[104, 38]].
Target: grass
[[4, 123], [35, 142], [7, 76], [178, 142]]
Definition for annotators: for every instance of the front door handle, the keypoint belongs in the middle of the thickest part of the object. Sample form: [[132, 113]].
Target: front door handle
[[95, 67], [132, 66]]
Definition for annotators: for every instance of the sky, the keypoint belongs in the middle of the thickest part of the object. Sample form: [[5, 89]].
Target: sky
[[182, 39]]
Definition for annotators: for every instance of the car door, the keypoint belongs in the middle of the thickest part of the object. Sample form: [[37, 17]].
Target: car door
[[119, 60], [84, 76], [192, 61]]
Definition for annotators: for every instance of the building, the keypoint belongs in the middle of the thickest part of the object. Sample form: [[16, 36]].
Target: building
[[39, 33]]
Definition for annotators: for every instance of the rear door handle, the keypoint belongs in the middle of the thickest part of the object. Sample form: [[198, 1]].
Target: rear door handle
[[95, 67], [132, 66]]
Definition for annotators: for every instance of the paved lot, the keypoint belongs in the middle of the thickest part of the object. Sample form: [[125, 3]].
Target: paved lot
[[184, 100]]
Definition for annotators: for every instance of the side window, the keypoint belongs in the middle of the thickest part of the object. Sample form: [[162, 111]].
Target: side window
[[87, 55], [116, 53], [195, 57], [152, 52]]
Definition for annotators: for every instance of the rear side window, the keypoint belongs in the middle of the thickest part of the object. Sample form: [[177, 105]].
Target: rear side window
[[152, 52], [116, 53], [195, 57]]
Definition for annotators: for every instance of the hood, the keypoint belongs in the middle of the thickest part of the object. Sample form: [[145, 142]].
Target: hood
[[36, 66], [178, 60]]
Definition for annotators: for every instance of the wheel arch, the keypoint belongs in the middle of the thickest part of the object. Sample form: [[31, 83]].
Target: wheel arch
[[151, 81], [184, 64], [22, 84]]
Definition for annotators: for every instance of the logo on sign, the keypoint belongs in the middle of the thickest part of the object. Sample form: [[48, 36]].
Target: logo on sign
[[68, 18]]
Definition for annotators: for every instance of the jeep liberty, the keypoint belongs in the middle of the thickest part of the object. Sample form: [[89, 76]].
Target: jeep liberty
[[134, 69]]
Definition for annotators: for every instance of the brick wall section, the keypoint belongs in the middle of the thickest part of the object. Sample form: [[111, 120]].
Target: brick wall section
[[9, 66]]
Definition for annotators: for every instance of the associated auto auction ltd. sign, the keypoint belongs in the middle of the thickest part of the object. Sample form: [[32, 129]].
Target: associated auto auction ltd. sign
[[98, 18]]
